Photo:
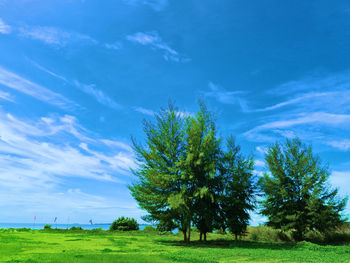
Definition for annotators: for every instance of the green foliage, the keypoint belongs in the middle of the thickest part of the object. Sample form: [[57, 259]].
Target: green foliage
[[199, 169], [237, 189], [298, 196], [149, 229], [269, 234], [47, 227], [160, 186], [124, 224], [96, 230], [76, 228], [185, 178]]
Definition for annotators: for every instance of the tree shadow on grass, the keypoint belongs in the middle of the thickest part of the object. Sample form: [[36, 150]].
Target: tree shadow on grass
[[231, 244]]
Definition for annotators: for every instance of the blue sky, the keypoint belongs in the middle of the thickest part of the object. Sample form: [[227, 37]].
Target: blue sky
[[78, 77]]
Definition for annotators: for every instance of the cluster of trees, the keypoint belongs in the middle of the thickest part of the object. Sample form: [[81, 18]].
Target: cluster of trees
[[189, 176]]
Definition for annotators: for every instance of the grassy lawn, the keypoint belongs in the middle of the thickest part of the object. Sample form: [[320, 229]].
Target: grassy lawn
[[43, 246]]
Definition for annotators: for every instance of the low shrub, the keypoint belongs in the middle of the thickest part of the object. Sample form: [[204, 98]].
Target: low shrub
[[47, 227], [24, 229], [124, 224], [149, 229], [76, 228], [265, 233], [337, 238], [96, 230]]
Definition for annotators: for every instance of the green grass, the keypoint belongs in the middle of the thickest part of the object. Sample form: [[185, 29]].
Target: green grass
[[35, 246]]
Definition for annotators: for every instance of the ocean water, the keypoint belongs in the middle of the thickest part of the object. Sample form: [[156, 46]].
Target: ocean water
[[59, 226]]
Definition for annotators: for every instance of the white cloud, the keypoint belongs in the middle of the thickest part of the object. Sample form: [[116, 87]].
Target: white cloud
[[315, 82], [157, 5], [37, 158], [55, 36], [99, 95], [259, 163], [258, 173], [315, 118], [261, 149], [6, 96], [113, 46], [91, 89], [144, 111], [153, 40], [185, 114], [4, 28], [47, 71], [341, 180], [18, 83], [342, 145], [334, 100], [34, 155], [117, 144], [225, 97]]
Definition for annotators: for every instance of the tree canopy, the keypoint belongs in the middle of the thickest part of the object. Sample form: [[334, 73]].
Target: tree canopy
[[183, 175], [297, 193], [187, 176]]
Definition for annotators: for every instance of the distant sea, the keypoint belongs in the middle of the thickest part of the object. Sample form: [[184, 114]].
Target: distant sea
[[59, 226]]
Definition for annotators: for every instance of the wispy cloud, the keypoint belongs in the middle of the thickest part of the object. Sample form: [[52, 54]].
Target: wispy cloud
[[37, 157], [315, 101], [259, 163], [97, 94], [55, 36], [91, 89], [181, 114], [113, 46], [33, 153], [4, 28], [315, 82], [153, 40], [315, 109], [157, 5], [340, 179], [144, 111], [342, 145], [261, 150], [6, 96], [225, 97], [185, 114], [316, 118], [18, 83]]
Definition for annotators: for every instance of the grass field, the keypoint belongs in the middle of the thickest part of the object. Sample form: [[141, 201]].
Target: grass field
[[50, 246]]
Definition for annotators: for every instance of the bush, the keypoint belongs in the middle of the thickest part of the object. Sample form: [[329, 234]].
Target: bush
[[76, 228], [124, 224], [47, 227], [265, 233], [96, 230], [337, 238], [149, 229]]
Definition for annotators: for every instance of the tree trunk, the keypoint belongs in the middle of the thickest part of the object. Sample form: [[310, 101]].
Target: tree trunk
[[189, 232], [299, 235], [205, 236], [200, 236], [236, 237], [185, 235]]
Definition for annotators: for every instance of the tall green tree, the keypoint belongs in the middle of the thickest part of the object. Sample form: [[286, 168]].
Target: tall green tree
[[238, 189], [160, 180], [297, 194], [199, 167]]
